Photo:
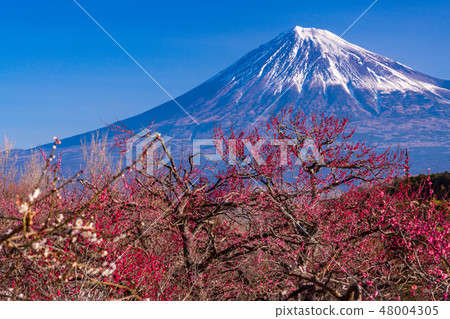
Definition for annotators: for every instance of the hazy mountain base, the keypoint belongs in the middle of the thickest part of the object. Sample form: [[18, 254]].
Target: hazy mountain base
[[427, 154]]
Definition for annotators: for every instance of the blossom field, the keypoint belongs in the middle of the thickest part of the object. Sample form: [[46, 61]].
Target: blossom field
[[350, 227]]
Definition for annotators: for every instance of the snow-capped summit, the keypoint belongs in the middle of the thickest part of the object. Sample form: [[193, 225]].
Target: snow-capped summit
[[314, 71], [329, 72], [345, 63], [312, 34]]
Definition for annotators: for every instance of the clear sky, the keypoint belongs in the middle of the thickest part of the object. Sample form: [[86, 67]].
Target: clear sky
[[61, 75]]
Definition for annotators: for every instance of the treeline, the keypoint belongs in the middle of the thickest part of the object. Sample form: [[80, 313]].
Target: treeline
[[438, 184]]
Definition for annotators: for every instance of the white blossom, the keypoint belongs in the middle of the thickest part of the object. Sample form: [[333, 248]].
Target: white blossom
[[23, 208], [36, 193]]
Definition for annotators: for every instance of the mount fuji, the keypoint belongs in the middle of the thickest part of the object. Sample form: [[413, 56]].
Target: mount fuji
[[314, 71]]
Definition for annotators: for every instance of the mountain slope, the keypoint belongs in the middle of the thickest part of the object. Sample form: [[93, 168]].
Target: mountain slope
[[315, 71]]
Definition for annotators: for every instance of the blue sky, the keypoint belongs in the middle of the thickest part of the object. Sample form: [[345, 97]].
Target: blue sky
[[61, 75]]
